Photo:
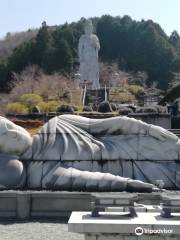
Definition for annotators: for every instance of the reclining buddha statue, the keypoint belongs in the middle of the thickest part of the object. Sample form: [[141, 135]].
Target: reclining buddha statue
[[80, 154]]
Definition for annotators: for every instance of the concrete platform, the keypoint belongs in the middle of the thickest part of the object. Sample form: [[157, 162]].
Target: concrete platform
[[117, 226], [33, 204]]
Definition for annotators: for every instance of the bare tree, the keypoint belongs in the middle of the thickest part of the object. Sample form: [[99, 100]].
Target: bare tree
[[25, 82], [139, 78], [112, 76], [50, 87]]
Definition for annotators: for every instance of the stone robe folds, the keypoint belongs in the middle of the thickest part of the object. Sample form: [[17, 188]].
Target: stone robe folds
[[121, 146]]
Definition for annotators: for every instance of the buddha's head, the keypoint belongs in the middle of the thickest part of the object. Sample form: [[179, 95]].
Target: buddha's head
[[13, 138], [88, 27]]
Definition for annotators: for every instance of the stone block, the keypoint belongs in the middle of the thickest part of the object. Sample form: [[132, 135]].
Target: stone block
[[23, 205]]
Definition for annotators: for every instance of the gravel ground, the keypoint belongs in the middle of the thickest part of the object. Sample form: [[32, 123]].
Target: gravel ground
[[36, 231]]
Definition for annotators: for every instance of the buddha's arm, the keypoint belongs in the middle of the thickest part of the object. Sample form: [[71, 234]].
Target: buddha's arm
[[77, 180], [130, 126], [121, 125], [118, 126]]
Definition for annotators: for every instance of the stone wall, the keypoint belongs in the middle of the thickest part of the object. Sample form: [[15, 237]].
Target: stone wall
[[48, 204], [28, 204], [159, 119]]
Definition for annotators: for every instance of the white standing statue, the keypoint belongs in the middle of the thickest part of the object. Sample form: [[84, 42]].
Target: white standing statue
[[88, 56]]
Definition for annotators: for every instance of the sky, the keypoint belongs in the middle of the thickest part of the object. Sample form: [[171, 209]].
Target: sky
[[21, 15]]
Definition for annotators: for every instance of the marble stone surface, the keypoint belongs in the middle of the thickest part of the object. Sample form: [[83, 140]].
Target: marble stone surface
[[88, 56], [77, 153], [71, 138], [12, 172], [14, 139], [146, 171]]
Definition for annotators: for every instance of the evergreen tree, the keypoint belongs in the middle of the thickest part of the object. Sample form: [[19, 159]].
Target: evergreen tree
[[4, 84], [65, 32], [43, 42], [21, 57], [59, 58], [174, 39]]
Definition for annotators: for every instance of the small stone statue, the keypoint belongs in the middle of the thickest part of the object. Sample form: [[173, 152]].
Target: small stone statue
[[76, 153], [88, 56]]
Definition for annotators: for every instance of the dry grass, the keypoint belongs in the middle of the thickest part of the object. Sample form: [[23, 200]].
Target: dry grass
[[33, 131], [32, 126]]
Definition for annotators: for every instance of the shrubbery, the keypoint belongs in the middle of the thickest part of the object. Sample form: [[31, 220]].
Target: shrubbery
[[135, 89], [122, 95], [87, 109], [75, 108], [49, 106], [113, 106], [154, 109], [30, 100], [32, 103], [17, 107], [146, 110], [104, 107], [65, 108], [125, 111]]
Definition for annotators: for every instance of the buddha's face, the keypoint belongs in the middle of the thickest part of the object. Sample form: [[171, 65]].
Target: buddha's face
[[88, 29], [13, 139]]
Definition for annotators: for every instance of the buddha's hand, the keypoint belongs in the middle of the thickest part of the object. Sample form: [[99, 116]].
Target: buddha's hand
[[161, 134]]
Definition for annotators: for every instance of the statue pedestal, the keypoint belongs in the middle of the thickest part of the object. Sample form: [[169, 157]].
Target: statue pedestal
[[24, 205]]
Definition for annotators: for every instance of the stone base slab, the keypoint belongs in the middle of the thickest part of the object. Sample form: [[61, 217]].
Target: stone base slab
[[59, 204]]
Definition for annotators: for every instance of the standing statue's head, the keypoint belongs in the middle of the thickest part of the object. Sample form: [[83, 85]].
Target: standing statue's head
[[88, 27], [13, 139]]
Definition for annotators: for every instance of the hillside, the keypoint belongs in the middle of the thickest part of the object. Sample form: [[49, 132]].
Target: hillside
[[133, 45], [12, 41]]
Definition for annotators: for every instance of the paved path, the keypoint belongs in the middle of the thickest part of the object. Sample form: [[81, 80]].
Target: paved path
[[36, 231]]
